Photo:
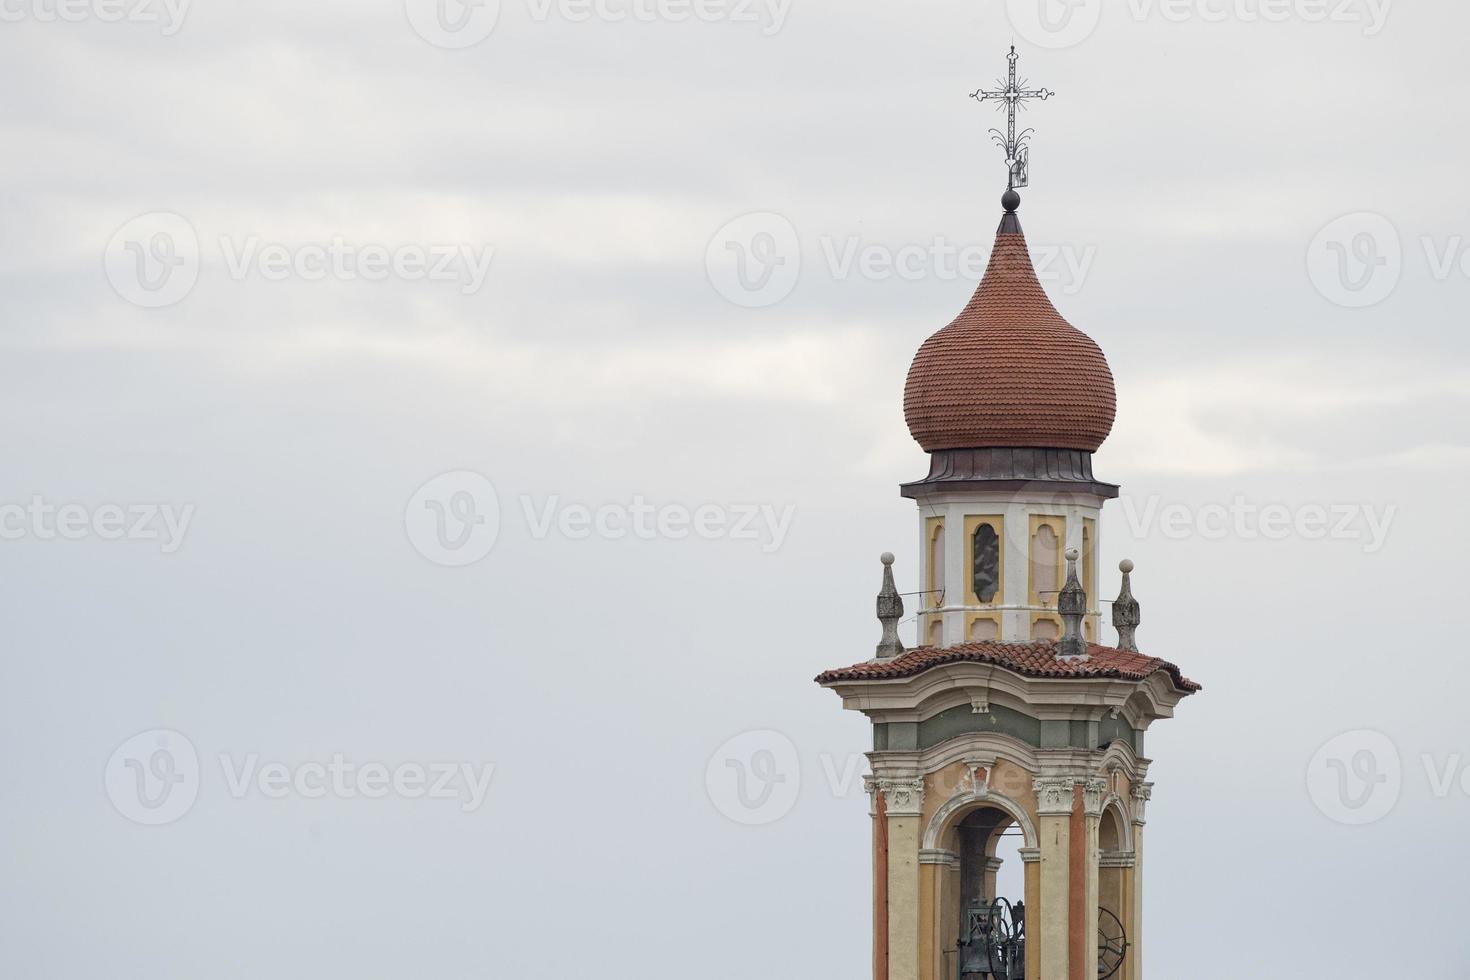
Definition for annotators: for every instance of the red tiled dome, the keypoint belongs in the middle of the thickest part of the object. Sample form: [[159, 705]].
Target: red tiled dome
[[1009, 371]]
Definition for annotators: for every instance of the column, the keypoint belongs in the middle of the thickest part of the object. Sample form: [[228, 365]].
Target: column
[[903, 801], [1052, 915], [992, 875], [1142, 793], [876, 809], [1115, 893], [1031, 858], [939, 872], [1094, 792]]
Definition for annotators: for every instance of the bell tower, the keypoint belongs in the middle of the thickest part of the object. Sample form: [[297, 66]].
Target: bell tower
[[1012, 716]]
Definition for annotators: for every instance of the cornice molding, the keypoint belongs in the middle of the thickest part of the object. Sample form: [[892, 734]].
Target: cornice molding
[[939, 856], [949, 685]]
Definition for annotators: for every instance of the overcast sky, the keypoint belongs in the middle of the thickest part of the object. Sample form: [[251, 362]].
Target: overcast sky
[[379, 397]]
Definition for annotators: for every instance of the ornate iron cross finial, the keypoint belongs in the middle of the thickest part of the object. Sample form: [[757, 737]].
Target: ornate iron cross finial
[[1014, 95]]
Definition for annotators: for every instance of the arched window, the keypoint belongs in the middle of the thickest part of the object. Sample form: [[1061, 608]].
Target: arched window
[[986, 545], [936, 566], [1045, 563]]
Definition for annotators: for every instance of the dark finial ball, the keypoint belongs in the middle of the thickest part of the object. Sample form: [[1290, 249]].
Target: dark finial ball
[[1010, 200]]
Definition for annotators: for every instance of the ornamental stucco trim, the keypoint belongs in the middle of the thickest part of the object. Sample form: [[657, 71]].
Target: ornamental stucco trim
[[1094, 794], [904, 797], [941, 857], [962, 801], [1054, 796], [1142, 793]]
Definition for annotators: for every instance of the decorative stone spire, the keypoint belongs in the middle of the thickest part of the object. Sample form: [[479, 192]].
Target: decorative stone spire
[[1072, 604], [890, 611], [1126, 614]]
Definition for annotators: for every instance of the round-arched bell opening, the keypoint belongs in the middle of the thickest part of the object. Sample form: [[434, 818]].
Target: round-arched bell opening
[[1112, 945], [987, 919]]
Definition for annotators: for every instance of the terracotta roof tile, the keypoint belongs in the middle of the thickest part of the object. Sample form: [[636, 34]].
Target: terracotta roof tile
[[1010, 371], [1026, 659]]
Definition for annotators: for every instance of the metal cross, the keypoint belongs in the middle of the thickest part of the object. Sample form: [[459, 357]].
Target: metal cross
[[1012, 96]]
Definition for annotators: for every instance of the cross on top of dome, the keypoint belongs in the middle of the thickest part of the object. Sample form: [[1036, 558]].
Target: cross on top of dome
[[1013, 95]]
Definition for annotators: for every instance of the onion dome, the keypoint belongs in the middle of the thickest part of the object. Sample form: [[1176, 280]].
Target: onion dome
[[1009, 371]]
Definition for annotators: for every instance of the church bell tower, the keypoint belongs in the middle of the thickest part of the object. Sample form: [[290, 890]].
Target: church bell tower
[[1012, 715]]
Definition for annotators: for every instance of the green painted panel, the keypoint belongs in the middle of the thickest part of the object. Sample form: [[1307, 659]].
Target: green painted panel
[[1111, 729], [962, 720]]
